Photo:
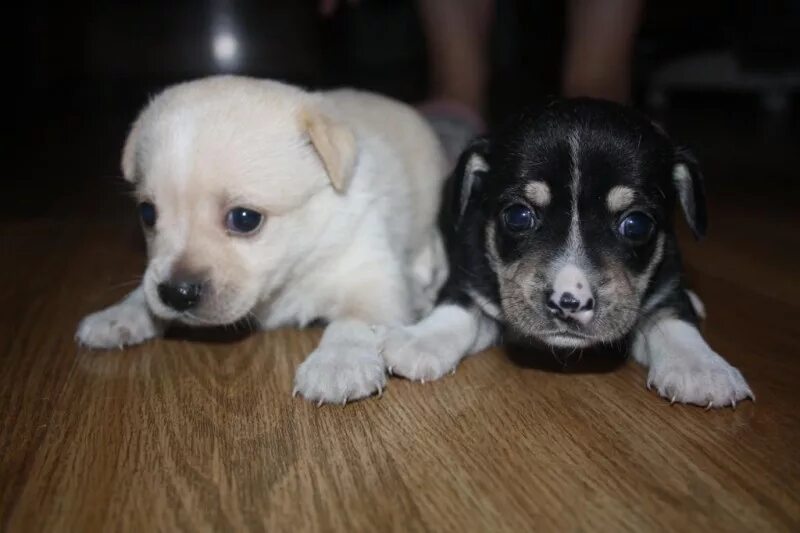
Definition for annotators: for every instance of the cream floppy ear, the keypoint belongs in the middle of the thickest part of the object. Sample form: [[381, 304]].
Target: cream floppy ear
[[336, 146]]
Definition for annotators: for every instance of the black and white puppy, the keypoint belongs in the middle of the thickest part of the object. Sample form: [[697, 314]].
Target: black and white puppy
[[563, 234]]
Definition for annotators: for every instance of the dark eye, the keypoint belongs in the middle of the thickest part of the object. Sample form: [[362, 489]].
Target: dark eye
[[518, 218], [636, 227], [147, 214], [243, 220]]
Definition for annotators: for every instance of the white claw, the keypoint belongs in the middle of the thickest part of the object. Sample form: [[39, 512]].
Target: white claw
[[319, 403], [422, 381], [452, 371], [389, 369], [709, 406], [380, 392], [295, 392], [733, 403], [649, 385], [673, 400], [344, 402]]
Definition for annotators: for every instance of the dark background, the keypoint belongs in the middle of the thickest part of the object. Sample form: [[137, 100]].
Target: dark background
[[78, 72]]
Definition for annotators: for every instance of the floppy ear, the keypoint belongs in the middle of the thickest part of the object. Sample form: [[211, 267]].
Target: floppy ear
[[688, 181], [469, 174], [335, 145]]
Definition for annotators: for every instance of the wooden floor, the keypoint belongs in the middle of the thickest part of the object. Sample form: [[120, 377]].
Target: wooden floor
[[194, 435]]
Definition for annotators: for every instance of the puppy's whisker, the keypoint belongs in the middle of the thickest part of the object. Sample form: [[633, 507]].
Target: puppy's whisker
[[129, 283], [251, 320]]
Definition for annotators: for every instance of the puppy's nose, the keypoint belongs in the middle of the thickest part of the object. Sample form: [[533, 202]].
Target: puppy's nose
[[180, 295], [571, 297], [568, 302]]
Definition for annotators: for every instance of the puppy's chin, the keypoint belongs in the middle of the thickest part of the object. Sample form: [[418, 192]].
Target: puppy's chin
[[566, 340], [547, 336], [200, 318]]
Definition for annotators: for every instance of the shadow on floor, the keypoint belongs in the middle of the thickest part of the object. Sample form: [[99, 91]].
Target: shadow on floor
[[598, 360]]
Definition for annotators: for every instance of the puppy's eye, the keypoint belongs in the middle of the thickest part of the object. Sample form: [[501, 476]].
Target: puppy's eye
[[243, 220], [636, 227], [518, 218], [147, 214]]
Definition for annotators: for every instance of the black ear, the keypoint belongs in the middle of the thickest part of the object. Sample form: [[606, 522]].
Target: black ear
[[469, 175], [688, 181]]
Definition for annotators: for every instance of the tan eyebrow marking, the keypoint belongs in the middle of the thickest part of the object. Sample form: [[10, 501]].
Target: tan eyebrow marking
[[538, 192], [619, 198]]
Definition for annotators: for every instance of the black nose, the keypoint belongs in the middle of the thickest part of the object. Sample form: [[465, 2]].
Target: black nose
[[568, 302], [181, 295]]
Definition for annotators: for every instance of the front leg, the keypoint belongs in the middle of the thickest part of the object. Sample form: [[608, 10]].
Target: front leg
[[684, 368], [127, 322], [345, 366], [434, 346]]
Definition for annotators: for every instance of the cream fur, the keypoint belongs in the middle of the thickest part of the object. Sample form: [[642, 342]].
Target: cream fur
[[349, 183]]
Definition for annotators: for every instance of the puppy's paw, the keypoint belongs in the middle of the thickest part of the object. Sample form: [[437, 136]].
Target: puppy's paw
[[412, 356], [708, 381], [120, 325], [338, 373]]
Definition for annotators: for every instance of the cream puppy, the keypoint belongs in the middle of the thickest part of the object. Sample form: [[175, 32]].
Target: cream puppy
[[263, 201]]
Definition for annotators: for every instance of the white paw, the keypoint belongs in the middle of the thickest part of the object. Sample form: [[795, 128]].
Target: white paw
[[708, 381], [412, 356], [340, 372], [117, 326]]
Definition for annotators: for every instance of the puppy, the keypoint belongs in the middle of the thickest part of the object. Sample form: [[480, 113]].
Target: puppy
[[264, 202], [563, 236]]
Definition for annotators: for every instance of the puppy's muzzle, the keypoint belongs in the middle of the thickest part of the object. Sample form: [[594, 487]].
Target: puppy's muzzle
[[180, 295]]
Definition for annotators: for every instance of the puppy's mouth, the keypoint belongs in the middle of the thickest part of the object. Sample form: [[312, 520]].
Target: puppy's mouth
[[196, 319], [566, 339]]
